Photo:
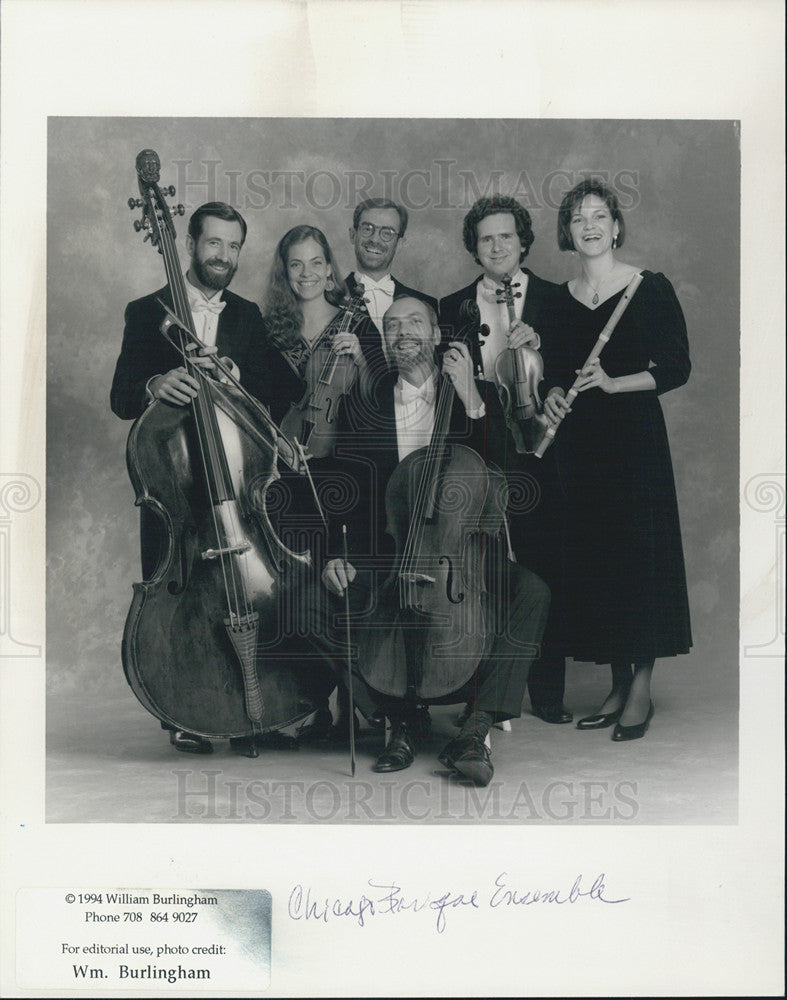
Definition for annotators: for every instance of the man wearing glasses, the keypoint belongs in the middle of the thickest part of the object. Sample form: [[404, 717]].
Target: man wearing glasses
[[378, 226]]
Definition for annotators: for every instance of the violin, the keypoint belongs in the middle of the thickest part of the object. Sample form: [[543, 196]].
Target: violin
[[200, 636], [426, 635], [311, 421], [519, 372]]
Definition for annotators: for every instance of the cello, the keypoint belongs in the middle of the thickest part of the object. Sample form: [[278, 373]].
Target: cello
[[427, 634], [519, 372], [199, 644]]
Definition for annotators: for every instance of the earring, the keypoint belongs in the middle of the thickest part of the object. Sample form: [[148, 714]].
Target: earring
[[614, 242], [330, 284]]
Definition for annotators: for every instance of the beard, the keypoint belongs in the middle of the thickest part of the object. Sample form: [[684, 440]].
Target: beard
[[419, 354], [210, 278]]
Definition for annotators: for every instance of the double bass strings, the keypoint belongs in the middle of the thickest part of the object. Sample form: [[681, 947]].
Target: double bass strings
[[235, 589]]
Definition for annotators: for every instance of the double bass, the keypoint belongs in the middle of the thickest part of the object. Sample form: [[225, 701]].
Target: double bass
[[428, 631], [200, 641]]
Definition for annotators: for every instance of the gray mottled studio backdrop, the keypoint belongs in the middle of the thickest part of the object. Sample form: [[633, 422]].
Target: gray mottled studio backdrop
[[678, 183]]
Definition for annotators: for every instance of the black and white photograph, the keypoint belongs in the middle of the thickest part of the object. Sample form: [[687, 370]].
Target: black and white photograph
[[392, 506], [497, 642]]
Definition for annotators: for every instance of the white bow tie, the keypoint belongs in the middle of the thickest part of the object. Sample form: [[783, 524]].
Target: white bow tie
[[408, 392], [385, 285], [207, 305]]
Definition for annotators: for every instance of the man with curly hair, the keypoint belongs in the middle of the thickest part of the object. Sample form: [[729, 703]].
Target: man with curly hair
[[498, 234]]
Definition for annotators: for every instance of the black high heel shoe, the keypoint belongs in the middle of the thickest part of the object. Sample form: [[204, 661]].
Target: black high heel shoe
[[622, 733], [600, 721]]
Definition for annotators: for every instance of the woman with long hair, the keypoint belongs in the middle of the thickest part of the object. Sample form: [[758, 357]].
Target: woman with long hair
[[302, 306], [625, 582]]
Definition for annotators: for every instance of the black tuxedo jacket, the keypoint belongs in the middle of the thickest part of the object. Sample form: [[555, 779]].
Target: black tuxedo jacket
[[145, 352], [369, 335], [366, 454], [460, 320]]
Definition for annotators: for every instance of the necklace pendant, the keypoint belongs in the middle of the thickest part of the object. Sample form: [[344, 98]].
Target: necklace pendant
[[595, 299]]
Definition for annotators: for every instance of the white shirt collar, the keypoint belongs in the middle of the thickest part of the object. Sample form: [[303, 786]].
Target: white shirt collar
[[385, 284], [408, 393]]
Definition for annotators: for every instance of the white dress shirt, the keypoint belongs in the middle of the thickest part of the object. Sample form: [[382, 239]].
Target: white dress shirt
[[495, 315], [414, 408], [206, 312], [378, 296]]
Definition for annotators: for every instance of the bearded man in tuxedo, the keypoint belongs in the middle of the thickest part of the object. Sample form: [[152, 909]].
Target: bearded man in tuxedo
[[150, 368]]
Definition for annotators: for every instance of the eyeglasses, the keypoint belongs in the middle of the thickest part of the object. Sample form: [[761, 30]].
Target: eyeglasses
[[366, 229]]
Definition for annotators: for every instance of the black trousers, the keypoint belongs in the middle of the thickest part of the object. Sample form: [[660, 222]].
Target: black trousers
[[516, 607]]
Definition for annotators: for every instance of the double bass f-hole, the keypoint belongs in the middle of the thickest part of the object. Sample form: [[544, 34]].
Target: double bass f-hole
[[519, 372]]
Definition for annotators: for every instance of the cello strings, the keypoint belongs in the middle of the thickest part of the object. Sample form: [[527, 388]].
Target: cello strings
[[426, 488], [417, 525]]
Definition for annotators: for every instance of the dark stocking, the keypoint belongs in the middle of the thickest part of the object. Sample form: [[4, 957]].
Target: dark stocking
[[638, 701], [621, 684]]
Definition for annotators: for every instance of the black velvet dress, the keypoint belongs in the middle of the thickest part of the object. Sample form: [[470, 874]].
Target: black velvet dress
[[621, 555]]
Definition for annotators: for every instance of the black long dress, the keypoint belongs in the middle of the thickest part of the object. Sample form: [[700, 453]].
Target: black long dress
[[622, 557]]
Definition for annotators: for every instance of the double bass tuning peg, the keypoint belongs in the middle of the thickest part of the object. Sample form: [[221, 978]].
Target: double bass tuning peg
[[177, 209], [134, 203], [169, 191]]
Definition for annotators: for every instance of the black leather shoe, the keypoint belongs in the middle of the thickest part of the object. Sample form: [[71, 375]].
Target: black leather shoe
[[600, 721], [469, 756], [453, 749], [622, 733], [556, 714], [188, 742], [398, 754]]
